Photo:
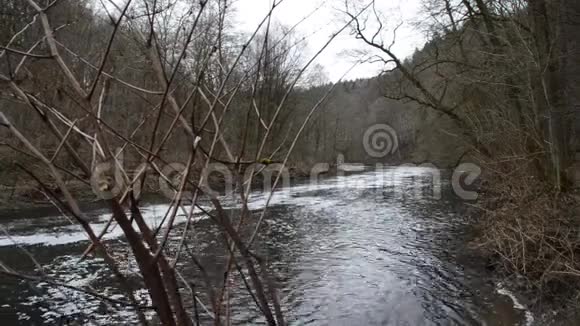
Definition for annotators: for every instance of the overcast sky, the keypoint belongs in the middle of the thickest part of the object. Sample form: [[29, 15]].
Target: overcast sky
[[329, 19]]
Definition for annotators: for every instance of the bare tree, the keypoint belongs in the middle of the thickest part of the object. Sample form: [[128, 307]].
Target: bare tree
[[159, 86]]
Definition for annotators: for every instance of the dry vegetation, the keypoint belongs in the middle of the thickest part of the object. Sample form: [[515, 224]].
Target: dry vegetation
[[531, 230]]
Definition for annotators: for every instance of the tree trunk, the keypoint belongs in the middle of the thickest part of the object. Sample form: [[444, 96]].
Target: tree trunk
[[550, 86]]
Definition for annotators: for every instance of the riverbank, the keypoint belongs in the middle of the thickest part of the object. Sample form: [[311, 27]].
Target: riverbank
[[26, 195], [526, 237], [547, 306]]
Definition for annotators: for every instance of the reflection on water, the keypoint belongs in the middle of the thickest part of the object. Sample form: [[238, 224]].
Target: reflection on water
[[374, 249]]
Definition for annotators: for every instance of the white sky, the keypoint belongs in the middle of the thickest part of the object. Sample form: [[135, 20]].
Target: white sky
[[329, 19]]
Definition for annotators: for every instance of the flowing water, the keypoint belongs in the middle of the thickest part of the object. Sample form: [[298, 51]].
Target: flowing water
[[375, 248]]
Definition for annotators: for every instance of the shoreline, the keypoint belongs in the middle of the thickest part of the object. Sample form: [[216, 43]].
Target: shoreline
[[87, 199], [547, 306]]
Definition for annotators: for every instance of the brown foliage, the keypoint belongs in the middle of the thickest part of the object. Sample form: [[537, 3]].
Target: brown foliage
[[529, 227]]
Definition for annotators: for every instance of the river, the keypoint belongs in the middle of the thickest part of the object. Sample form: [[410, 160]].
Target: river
[[374, 248]]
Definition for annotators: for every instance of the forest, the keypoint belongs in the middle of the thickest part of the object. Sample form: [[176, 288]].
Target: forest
[[110, 101]]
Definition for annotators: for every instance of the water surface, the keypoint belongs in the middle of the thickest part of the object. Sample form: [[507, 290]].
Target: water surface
[[376, 248]]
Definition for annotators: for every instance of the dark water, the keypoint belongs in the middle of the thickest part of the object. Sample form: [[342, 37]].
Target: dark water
[[369, 249]]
